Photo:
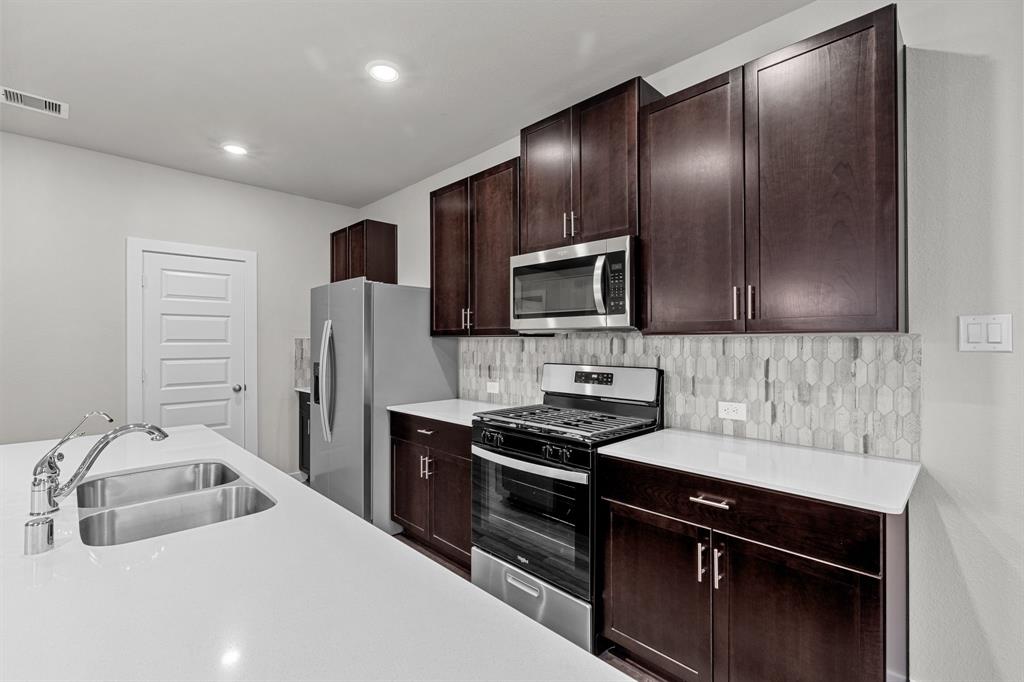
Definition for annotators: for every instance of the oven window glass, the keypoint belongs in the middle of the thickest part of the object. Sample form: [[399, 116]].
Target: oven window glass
[[562, 288], [535, 522]]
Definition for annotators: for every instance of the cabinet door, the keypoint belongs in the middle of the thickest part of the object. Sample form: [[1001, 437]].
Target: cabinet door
[[450, 504], [380, 251], [357, 250], [494, 231], [780, 617], [546, 192], [449, 258], [339, 255], [605, 176], [656, 595], [691, 165], [822, 181], [410, 499]]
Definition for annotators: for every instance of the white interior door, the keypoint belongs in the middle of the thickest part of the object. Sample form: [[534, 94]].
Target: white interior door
[[193, 342]]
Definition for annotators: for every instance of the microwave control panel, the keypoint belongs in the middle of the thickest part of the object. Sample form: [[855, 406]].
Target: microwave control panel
[[617, 283]]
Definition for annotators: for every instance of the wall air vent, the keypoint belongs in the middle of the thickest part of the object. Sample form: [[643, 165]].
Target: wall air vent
[[43, 105]]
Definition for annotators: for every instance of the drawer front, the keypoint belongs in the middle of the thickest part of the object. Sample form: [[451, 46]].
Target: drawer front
[[847, 537], [452, 438]]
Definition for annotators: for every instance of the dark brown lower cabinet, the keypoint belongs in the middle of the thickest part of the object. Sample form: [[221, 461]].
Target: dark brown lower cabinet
[[451, 511], [431, 484], [410, 495], [655, 564], [736, 592], [779, 616]]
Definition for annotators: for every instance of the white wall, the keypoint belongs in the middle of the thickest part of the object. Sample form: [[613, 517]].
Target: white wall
[[64, 216], [964, 121]]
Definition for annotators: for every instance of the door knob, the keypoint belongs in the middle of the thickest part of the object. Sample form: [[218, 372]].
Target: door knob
[[236, 388]]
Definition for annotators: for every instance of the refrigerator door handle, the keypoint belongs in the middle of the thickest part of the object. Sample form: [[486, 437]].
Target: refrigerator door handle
[[326, 414]]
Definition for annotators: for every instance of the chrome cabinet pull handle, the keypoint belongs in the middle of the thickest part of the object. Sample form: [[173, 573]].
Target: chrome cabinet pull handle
[[700, 562], [735, 303], [717, 504], [426, 467], [718, 576], [425, 432], [565, 234], [421, 465], [750, 301], [469, 318], [572, 223]]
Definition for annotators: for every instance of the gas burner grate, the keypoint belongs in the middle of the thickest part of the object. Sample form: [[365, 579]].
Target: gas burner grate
[[583, 423]]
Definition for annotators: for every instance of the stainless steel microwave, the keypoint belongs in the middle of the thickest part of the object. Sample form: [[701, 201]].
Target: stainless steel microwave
[[582, 286]]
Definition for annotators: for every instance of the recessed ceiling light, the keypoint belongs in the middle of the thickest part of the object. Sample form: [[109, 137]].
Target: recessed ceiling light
[[236, 149], [382, 71]]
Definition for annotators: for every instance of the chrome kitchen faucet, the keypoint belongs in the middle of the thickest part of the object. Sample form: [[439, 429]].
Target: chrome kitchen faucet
[[47, 492]]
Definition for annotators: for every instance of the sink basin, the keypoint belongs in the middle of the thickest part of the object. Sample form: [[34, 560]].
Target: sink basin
[[151, 484], [118, 525]]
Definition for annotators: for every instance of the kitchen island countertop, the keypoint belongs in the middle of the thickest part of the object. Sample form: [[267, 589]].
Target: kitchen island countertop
[[301, 591]]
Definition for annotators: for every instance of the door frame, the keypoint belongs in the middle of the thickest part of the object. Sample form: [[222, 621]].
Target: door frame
[[135, 250]]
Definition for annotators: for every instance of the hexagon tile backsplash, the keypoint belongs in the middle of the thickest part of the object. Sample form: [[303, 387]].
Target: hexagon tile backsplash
[[853, 393]]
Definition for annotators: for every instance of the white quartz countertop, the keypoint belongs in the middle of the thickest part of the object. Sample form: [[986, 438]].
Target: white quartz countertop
[[454, 410], [302, 591], [872, 483]]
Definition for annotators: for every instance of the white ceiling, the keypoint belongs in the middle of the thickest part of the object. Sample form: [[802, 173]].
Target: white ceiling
[[167, 82]]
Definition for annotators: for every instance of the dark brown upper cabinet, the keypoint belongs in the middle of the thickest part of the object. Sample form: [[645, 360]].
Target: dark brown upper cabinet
[[474, 229], [367, 249], [493, 237], [449, 258], [691, 206], [771, 195], [579, 170], [824, 172]]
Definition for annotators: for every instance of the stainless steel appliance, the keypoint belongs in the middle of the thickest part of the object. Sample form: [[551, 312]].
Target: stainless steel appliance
[[533, 492], [372, 348], [583, 286]]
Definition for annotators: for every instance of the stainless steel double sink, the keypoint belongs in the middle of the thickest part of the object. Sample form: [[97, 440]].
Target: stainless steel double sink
[[146, 503]]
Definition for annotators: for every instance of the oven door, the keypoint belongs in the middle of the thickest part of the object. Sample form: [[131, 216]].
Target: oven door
[[534, 516], [583, 286]]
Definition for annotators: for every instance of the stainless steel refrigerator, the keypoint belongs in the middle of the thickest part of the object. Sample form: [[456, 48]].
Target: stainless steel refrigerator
[[371, 348]]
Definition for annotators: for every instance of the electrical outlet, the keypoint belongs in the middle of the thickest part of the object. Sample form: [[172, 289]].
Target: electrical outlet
[[737, 411], [492, 386]]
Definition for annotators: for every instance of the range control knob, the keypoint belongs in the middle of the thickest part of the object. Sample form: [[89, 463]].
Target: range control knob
[[492, 438], [553, 452]]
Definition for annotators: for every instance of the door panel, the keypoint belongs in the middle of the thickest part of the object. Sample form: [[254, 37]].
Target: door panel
[[451, 509], [357, 250], [546, 192], [822, 184], [345, 460], [339, 255], [605, 186], [410, 502], [449, 258], [657, 590], [494, 221], [783, 618], [692, 197], [193, 350]]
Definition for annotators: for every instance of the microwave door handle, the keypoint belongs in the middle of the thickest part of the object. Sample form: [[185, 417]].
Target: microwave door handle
[[599, 284], [531, 468]]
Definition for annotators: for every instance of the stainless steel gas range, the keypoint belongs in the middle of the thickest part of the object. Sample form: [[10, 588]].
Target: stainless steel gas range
[[533, 492]]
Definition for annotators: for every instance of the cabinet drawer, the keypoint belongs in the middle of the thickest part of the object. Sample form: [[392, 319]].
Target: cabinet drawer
[[453, 438], [844, 536]]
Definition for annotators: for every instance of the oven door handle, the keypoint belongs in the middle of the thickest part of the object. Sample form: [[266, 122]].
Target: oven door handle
[[531, 468], [599, 284]]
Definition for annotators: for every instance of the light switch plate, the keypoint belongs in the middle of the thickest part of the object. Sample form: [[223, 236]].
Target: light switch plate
[[737, 411], [492, 386], [991, 333]]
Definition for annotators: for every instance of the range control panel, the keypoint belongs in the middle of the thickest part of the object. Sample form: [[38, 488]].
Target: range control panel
[[599, 378]]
